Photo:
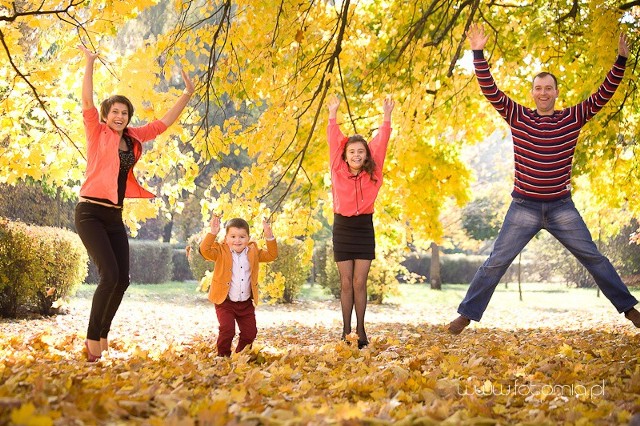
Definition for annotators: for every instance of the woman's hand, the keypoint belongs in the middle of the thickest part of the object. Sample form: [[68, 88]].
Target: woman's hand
[[172, 115], [91, 56], [188, 84], [87, 80]]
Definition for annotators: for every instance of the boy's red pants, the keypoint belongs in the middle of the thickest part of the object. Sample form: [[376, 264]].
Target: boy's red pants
[[244, 313]]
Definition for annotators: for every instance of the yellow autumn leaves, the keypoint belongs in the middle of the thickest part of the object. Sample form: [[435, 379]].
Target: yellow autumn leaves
[[261, 94], [300, 374]]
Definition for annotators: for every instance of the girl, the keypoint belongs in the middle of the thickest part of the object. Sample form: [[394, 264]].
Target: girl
[[356, 178]]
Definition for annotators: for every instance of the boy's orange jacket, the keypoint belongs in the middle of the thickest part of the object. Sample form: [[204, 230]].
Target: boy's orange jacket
[[220, 253]]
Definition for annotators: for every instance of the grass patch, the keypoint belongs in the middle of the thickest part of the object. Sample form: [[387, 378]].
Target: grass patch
[[544, 295], [171, 288], [536, 296], [314, 292]]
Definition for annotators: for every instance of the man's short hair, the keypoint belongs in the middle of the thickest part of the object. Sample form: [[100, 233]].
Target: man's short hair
[[236, 222], [544, 74]]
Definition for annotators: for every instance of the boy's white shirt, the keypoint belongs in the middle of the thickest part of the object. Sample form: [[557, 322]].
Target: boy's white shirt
[[240, 286]]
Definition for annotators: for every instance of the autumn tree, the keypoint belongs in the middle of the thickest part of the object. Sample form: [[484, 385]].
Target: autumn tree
[[261, 91]]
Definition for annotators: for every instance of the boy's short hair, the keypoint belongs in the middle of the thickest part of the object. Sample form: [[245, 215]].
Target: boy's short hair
[[236, 222]]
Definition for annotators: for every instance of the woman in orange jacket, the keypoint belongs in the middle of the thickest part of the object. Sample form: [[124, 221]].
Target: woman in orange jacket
[[234, 286], [356, 179], [113, 148]]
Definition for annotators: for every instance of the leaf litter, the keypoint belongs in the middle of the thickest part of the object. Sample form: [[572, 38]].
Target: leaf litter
[[162, 369]]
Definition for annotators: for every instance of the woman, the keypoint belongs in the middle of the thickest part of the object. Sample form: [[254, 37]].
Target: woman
[[356, 178], [113, 149]]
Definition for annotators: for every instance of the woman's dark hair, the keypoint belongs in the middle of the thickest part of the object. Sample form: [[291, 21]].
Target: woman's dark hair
[[106, 105], [369, 165], [236, 222]]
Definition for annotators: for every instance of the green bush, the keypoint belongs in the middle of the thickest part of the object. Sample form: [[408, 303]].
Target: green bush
[[287, 273], [150, 262], [328, 276], [385, 269], [39, 266], [181, 270], [459, 269], [198, 264], [319, 262]]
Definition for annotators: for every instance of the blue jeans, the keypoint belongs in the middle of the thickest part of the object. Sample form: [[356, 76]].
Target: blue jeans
[[523, 221]]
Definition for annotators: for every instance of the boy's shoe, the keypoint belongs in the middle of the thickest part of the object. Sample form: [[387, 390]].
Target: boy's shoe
[[634, 316], [457, 325]]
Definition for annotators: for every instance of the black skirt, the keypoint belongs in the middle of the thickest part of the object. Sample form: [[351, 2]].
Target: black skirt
[[353, 237]]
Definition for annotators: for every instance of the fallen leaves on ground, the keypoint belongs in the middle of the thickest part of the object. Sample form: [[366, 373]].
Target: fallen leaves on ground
[[300, 373]]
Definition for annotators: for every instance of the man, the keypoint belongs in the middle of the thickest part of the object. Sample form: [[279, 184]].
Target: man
[[544, 140]]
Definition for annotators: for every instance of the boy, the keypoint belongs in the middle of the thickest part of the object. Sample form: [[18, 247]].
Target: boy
[[234, 286]]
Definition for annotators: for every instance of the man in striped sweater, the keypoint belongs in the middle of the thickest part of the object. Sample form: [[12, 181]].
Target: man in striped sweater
[[544, 140]]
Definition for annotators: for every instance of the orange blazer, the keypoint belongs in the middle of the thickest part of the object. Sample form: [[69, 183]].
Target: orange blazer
[[220, 253]]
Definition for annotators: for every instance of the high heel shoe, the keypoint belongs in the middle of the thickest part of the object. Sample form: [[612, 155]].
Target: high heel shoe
[[90, 357]]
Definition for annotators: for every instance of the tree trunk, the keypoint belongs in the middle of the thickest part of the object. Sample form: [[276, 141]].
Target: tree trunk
[[434, 271], [166, 232]]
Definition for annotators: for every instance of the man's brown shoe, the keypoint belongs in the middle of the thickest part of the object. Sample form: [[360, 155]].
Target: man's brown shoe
[[457, 325], [634, 316]]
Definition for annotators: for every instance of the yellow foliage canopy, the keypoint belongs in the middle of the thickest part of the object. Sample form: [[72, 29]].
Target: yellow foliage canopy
[[255, 130]]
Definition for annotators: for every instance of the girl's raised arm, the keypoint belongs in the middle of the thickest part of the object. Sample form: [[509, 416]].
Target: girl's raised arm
[[87, 81]]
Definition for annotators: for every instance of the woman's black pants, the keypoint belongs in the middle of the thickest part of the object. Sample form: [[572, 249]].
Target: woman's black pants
[[103, 234]]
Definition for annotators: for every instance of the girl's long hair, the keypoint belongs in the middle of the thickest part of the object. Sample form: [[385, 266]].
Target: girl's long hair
[[369, 165]]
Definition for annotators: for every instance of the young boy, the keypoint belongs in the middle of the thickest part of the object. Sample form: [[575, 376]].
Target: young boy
[[234, 286]]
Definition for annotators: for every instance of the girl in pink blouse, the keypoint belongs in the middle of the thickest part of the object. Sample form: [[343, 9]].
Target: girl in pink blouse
[[356, 178]]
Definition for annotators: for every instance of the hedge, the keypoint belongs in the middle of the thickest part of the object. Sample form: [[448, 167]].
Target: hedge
[[198, 264], [38, 267], [460, 268], [150, 262], [181, 268]]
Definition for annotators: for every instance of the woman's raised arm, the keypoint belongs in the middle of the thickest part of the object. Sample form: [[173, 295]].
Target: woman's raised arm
[[172, 115]]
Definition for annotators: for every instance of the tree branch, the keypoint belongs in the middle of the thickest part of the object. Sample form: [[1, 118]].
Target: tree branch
[[33, 89]]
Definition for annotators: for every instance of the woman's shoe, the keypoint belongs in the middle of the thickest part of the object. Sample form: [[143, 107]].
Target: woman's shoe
[[90, 357]]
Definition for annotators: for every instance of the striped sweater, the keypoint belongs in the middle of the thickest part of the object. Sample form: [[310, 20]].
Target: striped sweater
[[543, 146]]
